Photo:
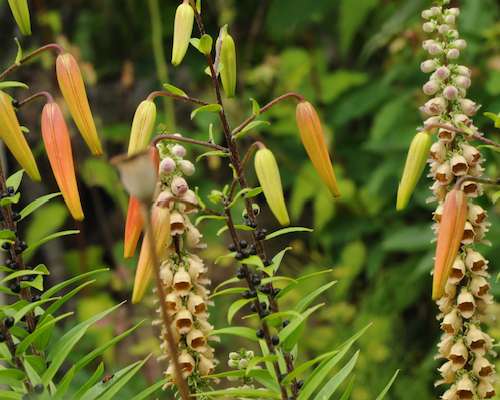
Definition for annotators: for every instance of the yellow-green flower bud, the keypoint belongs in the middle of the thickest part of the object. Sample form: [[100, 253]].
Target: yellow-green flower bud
[[268, 174], [228, 61], [142, 126], [415, 164], [21, 14], [183, 28]]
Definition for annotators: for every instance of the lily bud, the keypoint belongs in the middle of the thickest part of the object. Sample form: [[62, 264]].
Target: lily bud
[[228, 60], [11, 134], [58, 146], [142, 126], [160, 221], [451, 230], [268, 174], [21, 14], [133, 227], [313, 139], [414, 166], [72, 88], [183, 28]]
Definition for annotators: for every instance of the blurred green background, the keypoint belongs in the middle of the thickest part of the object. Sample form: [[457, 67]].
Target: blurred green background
[[359, 63]]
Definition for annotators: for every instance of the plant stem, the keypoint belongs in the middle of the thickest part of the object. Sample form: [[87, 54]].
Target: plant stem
[[162, 93], [167, 320], [52, 47], [176, 138], [35, 96], [12, 350], [476, 136]]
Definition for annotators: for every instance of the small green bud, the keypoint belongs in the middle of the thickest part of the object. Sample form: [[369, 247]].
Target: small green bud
[[183, 28], [228, 61]]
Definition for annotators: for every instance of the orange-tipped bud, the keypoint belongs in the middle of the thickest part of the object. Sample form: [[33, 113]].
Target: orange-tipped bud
[[21, 14], [133, 227], [142, 126], [160, 221], [268, 174], [11, 134], [313, 139], [58, 146], [73, 89], [451, 230], [415, 163]]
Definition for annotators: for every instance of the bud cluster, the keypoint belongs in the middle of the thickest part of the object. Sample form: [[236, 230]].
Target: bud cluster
[[183, 273], [466, 297]]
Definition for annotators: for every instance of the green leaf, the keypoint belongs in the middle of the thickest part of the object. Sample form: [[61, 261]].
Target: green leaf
[[351, 19], [235, 307], [174, 90], [56, 288], [56, 305], [300, 369], [146, 393], [408, 239], [12, 84], [213, 153], [236, 290], [388, 386], [19, 53], [7, 234], [48, 238], [241, 331], [11, 376], [308, 299], [332, 385], [258, 360], [38, 270], [302, 279], [290, 335], [96, 376], [347, 392], [14, 199], [241, 393], [30, 307], [206, 43], [15, 179], [253, 260], [213, 108], [34, 205], [209, 217], [252, 125], [284, 231], [255, 107], [9, 395]]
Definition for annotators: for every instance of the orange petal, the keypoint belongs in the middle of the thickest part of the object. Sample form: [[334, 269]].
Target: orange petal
[[11, 134], [58, 146], [451, 231], [73, 89], [162, 239], [313, 139], [133, 227]]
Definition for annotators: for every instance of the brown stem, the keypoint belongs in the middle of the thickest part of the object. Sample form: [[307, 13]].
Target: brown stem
[[52, 47], [12, 350], [177, 138], [476, 136], [167, 320], [245, 160], [35, 96], [188, 99]]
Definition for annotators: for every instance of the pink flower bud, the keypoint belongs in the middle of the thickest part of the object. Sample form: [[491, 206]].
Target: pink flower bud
[[435, 106], [442, 72], [460, 44], [453, 54], [178, 150], [463, 81], [435, 49], [450, 92], [463, 70], [167, 166], [469, 107], [431, 87], [186, 167], [428, 66], [461, 119], [179, 186]]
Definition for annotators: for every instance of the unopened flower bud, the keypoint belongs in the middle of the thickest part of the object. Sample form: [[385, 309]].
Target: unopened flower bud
[[442, 73], [142, 127], [431, 87], [434, 49], [428, 66], [436, 11], [166, 274], [445, 344], [463, 70], [21, 13], [450, 19], [179, 186], [178, 150], [460, 44], [454, 11], [435, 106], [183, 28], [427, 14], [450, 92], [469, 107], [167, 166], [429, 26], [461, 119], [452, 54], [186, 167], [442, 29], [447, 373], [228, 60], [462, 81]]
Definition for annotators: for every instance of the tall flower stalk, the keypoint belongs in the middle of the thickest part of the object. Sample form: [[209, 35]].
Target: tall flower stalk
[[461, 279]]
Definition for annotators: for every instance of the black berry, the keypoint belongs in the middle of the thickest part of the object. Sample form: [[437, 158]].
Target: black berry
[[286, 323], [260, 333], [275, 340], [231, 247], [241, 273], [38, 388], [8, 322], [243, 244]]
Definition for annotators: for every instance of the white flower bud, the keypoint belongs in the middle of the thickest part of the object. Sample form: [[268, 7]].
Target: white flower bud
[[243, 363], [435, 49], [249, 354], [193, 236], [460, 44], [469, 107], [452, 54], [431, 87], [167, 166], [447, 373], [450, 19], [428, 66], [178, 150], [466, 304], [442, 73], [186, 167], [450, 92], [436, 11], [442, 29], [445, 344], [453, 34], [463, 70], [461, 119], [234, 356], [454, 11], [429, 26], [165, 199], [427, 14], [166, 273], [232, 364], [462, 81]]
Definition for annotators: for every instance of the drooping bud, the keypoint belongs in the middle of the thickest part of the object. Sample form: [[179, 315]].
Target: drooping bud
[[21, 14], [414, 167], [58, 146], [228, 60], [142, 126], [133, 227], [11, 134], [72, 88], [183, 28], [313, 139], [268, 174], [160, 225], [451, 230]]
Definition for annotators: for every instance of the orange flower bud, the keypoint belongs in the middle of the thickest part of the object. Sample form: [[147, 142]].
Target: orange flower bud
[[133, 227], [160, 221], [313, 139], [58, 146], [11, 134], [73, 89], [451, 230]]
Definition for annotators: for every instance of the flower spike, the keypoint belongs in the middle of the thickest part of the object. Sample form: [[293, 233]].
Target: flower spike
[[451, 231], [73, 89], [268, 174], [183, 28], [21, 14], [414, 167], [160, 220], [11, 134], [58, 146], [313, 139]]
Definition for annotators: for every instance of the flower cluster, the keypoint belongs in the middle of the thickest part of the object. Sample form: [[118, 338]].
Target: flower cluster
[[183, 273], [461, 285]]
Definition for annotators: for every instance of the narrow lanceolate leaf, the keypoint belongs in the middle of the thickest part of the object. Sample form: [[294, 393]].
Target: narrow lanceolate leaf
[[414, 166], [313, 139], [21, 14], [183, 28], [58, 146], [142, 126], [133, 227], [451, 230], [160, 221], [228, 60], [72, 87], [11, 134], [269, 177]]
